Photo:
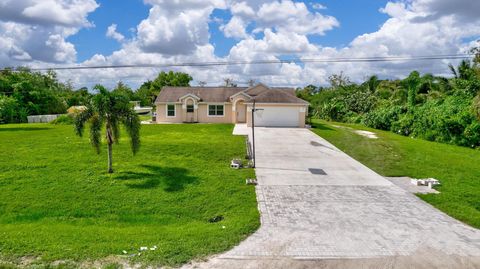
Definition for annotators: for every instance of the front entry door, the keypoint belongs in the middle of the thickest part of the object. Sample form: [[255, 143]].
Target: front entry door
[[190, 113], [241, 112]]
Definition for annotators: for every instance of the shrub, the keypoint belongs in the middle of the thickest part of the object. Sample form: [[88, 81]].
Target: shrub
[[404, 125], [359, 101], [334, 110], [64, 120], [383, 117], [472, 135], [11, 111]]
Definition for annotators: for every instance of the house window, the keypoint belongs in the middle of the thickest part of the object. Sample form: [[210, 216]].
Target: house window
[[190, 109], [170, 110], [215, 110]]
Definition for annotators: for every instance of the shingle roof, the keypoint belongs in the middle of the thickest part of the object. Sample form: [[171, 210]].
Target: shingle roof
[[223, 94], [206, 94], [278, 96]]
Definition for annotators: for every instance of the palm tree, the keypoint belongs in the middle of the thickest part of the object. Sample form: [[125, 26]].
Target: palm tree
[[372, 83], [109, 109], [464, 70], [411, 84]]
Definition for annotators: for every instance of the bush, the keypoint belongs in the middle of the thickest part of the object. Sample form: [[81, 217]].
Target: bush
[[472, 135], [383, 117], [448, 121], [64, 120], [11, 111], [404, 126], [359, 101], [334, 110]]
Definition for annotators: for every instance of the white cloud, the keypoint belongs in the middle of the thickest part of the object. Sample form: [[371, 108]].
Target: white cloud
[[242, 9], [112, 33], [63, 51], [462, 10], [176, 27], [69, 13], [235, 28], [295, 17], [318, 6], [395, 10], [36, 30]]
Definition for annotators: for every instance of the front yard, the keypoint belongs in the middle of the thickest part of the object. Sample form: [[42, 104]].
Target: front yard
[[57, 202], [457, 168]]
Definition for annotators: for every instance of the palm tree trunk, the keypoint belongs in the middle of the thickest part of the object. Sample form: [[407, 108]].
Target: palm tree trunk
[[109, 143], [110, 168]]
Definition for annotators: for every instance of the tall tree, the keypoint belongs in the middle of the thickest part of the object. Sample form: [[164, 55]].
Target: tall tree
[[150, 89], [124, 89], [339, 80], [109, 109], [372, 83], [176, 79]]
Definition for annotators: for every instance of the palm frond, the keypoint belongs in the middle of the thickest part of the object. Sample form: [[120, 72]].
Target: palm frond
[[96, 132], [114, 124], [81, 119], [132, 125], [453, 70]]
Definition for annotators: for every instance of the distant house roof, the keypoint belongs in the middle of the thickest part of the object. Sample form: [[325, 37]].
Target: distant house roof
[[260, 93], [76, 109]]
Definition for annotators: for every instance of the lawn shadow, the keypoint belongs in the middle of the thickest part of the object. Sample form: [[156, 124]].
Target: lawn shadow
[[172, 178], [321, 126], [23, 129]]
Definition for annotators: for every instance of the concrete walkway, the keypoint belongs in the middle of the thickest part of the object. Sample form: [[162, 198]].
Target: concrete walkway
[[321, 208]]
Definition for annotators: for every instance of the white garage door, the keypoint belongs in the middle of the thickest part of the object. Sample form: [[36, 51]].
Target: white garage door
[[277, 116]]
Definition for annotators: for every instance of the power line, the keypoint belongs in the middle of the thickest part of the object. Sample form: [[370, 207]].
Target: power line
[[259, 62]]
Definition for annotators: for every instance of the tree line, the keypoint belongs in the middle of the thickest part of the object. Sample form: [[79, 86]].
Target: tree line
[[24, 93], [430, 107]]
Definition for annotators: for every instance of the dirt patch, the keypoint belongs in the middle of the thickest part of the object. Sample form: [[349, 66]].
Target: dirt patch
[[367, 134], [342, 127]]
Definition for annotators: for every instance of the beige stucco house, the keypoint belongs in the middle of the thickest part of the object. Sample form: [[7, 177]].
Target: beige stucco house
[[278, 107]]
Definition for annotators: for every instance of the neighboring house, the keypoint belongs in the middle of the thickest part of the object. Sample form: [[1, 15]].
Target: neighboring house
[[279, 107]]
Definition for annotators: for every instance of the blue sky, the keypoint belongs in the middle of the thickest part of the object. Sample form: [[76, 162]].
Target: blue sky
[[128, 14], [50, 33]]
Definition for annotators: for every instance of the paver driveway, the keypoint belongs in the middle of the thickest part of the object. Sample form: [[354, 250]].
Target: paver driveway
[[346, 212]]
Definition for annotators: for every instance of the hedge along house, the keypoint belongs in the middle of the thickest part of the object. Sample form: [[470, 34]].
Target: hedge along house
[[280, 107]]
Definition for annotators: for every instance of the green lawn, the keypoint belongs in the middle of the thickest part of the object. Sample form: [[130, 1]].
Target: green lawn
[[57, 202], [457, 168]]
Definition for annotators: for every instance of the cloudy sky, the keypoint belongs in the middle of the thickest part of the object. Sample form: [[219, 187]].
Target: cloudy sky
[[47, 33]]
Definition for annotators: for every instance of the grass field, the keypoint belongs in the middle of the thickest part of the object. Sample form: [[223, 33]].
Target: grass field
[[57, 202], [457, 168]]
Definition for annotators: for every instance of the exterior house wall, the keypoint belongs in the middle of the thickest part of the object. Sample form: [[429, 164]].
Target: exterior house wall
[[204, 118], [162, 114]]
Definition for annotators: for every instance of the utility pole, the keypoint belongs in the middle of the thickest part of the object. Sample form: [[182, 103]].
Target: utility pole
[[254, 109], [253, 132]]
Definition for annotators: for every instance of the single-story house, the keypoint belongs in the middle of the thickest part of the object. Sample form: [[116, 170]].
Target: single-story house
[[278, 107]]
